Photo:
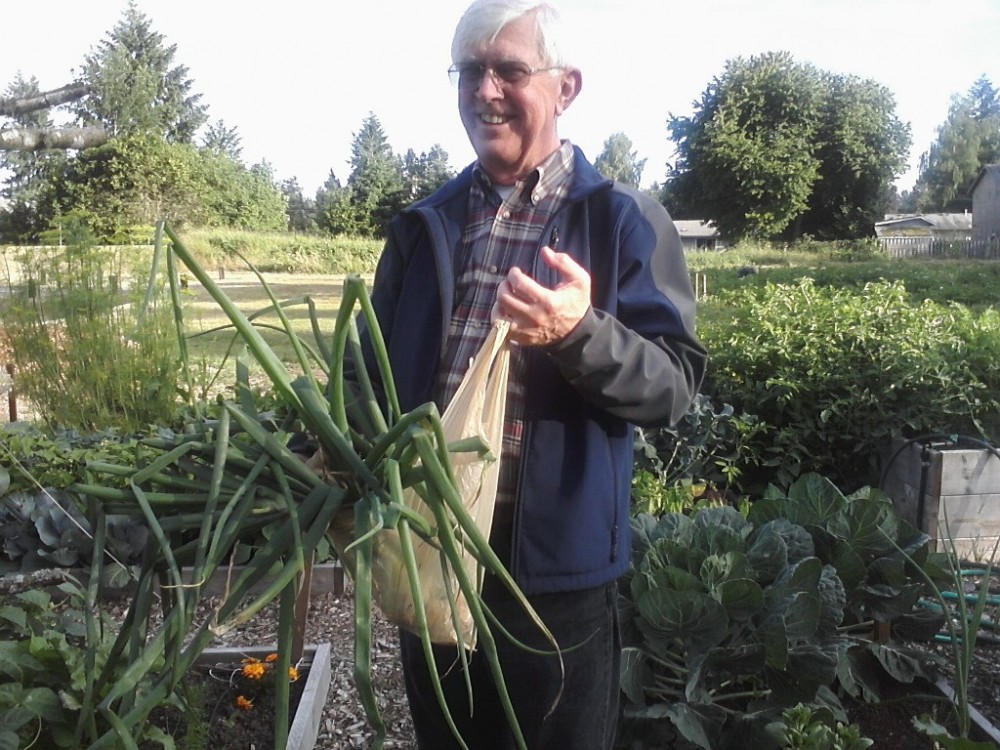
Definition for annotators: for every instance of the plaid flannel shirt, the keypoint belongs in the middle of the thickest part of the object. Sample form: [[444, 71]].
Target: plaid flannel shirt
[[500, 233]]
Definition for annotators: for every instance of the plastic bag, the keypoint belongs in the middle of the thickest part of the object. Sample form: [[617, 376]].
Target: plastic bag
[[477, 410]]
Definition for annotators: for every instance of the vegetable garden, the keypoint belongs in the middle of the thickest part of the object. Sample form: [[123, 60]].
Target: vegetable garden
[[770, 574]]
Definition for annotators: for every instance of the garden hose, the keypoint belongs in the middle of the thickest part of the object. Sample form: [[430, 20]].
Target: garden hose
[[984, 622], [993, 601], [988, 622], [980, 638]]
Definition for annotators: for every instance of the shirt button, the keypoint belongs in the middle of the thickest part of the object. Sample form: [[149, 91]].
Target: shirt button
[[506, 214], [494, 269]]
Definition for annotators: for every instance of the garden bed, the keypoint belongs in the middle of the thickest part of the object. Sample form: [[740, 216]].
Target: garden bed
[[342, 724], [890, 724], [231, 711]]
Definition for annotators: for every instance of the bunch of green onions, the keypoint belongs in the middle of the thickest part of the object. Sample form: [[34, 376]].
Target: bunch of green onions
[[221, 480]]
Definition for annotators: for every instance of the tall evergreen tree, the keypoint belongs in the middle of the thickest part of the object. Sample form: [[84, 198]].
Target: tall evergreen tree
[[619, 162], [376, 180], [335, 213], [966, 142], [135, 85], [424, 174], [301, 210]]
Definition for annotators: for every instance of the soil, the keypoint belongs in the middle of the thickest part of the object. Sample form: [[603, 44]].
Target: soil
[[343, 725], [890, 724], [215, 718]]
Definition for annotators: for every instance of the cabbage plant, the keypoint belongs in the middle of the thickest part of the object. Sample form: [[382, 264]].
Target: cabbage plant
[[730, 620]]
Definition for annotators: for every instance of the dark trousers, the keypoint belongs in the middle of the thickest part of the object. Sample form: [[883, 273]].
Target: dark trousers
[[585, 625]]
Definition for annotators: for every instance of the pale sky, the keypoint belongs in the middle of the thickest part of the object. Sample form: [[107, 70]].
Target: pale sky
[[298, 77]]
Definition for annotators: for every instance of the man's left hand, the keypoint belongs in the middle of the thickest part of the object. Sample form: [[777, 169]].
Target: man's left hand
[[540, 316]]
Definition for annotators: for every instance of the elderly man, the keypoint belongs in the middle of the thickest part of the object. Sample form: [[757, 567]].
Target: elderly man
[[592, 277]]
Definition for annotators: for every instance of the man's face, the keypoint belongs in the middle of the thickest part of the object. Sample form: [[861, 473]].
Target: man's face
[[513, 128]]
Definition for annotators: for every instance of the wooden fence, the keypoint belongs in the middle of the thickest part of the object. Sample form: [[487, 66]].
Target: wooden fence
[[932, 247]]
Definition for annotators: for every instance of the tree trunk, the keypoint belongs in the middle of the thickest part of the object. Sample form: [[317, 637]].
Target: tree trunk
[[43, 100], [38, 139]]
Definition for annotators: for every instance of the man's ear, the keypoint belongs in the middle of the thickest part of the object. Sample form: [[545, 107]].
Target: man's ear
[[569, 87]]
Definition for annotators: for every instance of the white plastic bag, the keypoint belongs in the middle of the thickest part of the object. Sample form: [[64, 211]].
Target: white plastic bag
[[477, 410]]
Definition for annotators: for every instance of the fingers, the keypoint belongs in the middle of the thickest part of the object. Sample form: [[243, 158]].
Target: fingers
[[540, 315], [565, 265], [522, 287]]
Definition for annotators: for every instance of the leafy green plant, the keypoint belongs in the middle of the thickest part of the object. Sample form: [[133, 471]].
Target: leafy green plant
[[34, 458], [835, 373], [705, 447], [727, 620], [806, 728], [50, 651], [652, 497], [45, 530]]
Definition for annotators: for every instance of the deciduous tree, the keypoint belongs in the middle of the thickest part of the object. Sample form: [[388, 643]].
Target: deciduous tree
[[746, 158], [619, 162], [136, 180], [861, 147], [966, 142], [776, 148]]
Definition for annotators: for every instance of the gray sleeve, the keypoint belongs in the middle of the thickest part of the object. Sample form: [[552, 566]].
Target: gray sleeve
[[644, 363]]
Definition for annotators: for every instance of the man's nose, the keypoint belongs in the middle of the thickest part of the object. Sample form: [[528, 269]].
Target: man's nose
[[489, 87]]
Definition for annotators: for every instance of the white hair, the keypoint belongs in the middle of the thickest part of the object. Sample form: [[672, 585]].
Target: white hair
[[485, 19]]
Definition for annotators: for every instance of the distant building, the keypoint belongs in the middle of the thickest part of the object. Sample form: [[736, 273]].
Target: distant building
[[924, 234], [698, 235], [986, 205], [938, 226]]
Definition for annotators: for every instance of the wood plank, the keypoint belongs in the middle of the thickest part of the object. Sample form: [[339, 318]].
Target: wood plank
[[969, 472], [977, 550], [970, 515]]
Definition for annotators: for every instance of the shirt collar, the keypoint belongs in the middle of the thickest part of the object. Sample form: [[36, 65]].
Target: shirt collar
[[551, 174]]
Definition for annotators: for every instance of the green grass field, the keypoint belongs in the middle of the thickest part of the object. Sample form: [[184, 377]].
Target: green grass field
[[208, 347]]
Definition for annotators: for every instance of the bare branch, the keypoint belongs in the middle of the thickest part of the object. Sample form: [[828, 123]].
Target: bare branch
[[19, 106], [38, 139], [16, 583]]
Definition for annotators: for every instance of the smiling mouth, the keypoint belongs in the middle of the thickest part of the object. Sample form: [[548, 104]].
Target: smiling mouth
[[490, 119]]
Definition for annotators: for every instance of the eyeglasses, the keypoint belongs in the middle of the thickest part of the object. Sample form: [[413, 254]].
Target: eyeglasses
[[468, 76]]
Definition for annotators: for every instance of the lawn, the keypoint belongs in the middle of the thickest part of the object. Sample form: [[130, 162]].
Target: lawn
[[202, 314]]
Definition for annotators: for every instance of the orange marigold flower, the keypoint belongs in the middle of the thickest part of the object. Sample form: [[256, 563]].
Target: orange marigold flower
[[271, 657], [251, 660], [243, 702], [293, 674], [254, 670]]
